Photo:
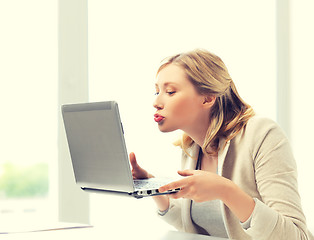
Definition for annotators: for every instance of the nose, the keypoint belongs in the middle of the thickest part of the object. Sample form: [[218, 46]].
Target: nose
[[157, 103]]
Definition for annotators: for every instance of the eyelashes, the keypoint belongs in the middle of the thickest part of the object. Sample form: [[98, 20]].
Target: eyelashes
[[170, 93]]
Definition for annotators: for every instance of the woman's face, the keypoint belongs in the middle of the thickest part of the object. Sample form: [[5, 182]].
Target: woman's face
[[178, 104]]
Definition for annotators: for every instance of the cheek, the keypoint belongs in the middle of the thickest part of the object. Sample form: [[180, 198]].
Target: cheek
[[185, 107]]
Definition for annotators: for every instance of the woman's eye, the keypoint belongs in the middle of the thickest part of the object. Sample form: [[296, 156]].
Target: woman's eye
[[171, 93], [156, 93]]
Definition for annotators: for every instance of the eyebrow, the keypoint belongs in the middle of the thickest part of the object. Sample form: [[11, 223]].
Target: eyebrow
[[166, 84]]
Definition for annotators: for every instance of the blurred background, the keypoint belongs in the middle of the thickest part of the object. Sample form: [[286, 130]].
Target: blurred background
[[54, 52]]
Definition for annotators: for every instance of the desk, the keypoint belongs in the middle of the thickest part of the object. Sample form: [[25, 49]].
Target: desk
[[94, 233]]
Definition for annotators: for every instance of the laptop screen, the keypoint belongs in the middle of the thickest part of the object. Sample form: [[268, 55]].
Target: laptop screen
[[97, 146]]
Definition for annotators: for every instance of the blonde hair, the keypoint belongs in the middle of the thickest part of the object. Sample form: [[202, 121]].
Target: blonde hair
[[209, 75]]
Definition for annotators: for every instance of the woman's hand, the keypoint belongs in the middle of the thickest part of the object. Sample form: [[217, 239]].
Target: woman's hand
[[137, 171], [197, 185], [202, 186], [162, 202]]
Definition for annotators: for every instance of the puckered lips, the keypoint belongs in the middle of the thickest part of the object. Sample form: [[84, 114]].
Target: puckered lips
[[158, 118]]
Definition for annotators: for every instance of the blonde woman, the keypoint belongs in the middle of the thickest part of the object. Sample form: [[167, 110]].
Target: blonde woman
[[240, 178]]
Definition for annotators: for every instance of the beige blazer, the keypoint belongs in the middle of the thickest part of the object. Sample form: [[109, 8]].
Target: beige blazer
[[259, 160]]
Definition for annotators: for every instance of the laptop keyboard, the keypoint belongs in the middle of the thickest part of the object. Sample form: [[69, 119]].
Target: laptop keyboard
[[148, 184]]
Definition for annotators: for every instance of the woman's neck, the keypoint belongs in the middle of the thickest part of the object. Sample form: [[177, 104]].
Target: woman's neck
[[198, 132]]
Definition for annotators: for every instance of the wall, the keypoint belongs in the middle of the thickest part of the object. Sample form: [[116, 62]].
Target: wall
[[302, 131]]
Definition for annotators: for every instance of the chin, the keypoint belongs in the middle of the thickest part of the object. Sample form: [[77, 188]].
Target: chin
[[164, 129]]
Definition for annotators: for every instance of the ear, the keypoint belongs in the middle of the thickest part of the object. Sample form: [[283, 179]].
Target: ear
[[209, 101]]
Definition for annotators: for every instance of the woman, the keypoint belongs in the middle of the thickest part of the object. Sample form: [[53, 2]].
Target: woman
[[240, 177]]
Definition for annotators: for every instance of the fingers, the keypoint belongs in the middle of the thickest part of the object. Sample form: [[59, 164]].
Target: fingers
[[186, 173], [137, 171], [133, 160], [181, 194], [172, 185], [134, 164], [132, 156], [180, 183]]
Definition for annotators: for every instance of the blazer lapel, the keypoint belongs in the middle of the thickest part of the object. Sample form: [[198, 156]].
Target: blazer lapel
[[223, 149]]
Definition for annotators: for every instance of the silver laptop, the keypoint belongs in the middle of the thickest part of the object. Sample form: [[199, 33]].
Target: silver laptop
[[98, 151]]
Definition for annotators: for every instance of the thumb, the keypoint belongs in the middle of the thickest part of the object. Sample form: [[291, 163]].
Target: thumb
[[133, 160], [186, 172]]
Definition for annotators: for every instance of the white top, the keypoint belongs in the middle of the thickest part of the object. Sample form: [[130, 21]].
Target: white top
[[208, 216]]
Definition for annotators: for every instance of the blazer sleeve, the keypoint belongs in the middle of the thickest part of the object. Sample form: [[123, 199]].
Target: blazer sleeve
[[173, 215], [178, 214], [279, 214]]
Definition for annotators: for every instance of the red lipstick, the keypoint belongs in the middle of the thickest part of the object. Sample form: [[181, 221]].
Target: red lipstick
[[158, 118]]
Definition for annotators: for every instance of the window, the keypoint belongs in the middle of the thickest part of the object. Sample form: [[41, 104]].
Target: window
[[28, 123]]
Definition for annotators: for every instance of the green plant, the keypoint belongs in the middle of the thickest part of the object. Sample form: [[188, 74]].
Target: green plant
[[24, 181]]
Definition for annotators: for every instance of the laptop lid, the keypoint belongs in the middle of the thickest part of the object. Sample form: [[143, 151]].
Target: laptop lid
[[97, 146]]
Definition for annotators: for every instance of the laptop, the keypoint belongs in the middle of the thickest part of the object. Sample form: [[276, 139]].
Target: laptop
[[98, 151]]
